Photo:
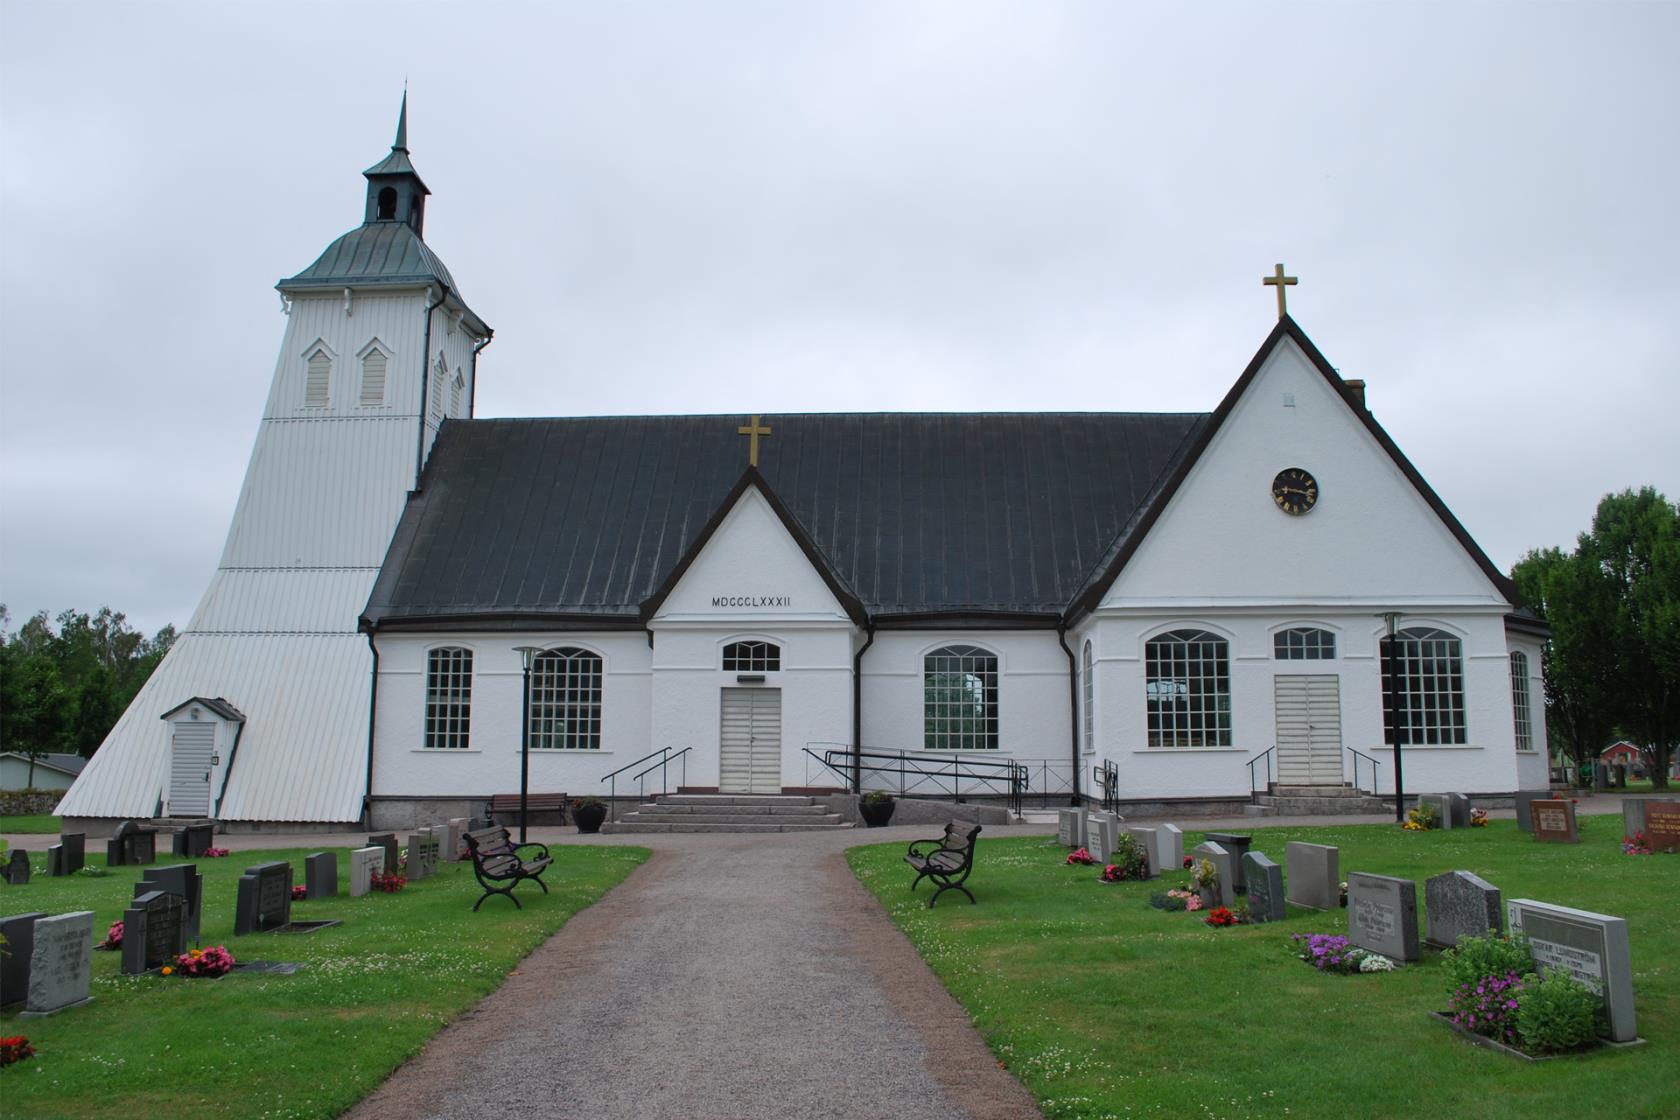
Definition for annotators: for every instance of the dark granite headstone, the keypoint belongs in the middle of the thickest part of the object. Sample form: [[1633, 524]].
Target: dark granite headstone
[[1619, 772], [17, 868], [154, 931], [320, 874], [1459, 904], [116, 848], [1456, 809], [1554, 821], [1382, 915], [1265, 888], [264, 901], [1524, 799], [55, 860], [393, 857], [1601, 776], [182, 879], [19, 932], [142, 846], [1237, 844], [193, 840], [74, 846]]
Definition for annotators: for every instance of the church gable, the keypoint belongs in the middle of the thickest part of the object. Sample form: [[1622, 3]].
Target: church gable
[[1374, 530]]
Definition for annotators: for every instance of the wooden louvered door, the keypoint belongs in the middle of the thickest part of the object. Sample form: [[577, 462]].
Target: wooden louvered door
[[1309, 729], [190, 748], [750, 747]]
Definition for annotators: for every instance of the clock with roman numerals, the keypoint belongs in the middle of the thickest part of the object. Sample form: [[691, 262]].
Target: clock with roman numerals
[[1295, 491]]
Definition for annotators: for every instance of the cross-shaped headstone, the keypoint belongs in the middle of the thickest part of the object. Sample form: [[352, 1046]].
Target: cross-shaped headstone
[[1279, 281], [754, 430]]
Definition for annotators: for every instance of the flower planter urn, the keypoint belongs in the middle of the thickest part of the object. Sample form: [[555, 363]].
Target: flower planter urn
[[876, 813], [588, 818]]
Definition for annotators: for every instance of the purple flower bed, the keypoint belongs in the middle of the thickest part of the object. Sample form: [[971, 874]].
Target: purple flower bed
[[1488, 1007], [1327, 952]]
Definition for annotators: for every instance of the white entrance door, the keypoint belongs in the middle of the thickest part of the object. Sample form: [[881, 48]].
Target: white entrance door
[[1309, 729], [750, 753], [191, 745]]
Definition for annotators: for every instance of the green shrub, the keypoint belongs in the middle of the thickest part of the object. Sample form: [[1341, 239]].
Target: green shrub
[[1476, 957], [1557, 1013]]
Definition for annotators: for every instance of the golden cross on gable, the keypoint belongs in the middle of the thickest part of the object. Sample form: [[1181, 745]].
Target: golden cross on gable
[[1279, 280], [754, 430]]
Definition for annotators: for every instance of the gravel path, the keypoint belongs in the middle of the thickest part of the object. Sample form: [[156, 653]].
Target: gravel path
[[729, 976]]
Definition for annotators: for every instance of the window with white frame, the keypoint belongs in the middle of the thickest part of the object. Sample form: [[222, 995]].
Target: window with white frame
[[1187, 689], [1088, 695], [317, 378], [960, 699], [1431, 687], [1304, 643], [373, 377], [1519, 701], [566, 700], [448, 698], [752, 657]]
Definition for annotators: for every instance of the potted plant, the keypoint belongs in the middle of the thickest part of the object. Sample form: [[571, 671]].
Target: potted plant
[[588, 813], [876, 807]]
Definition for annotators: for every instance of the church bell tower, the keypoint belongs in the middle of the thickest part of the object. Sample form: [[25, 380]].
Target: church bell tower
[[379, 349]]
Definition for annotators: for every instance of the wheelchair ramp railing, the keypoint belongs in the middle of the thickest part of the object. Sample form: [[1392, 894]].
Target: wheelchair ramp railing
[[936, 775]]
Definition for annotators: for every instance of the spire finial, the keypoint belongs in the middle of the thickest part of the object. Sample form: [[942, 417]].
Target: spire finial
[[402, 124]]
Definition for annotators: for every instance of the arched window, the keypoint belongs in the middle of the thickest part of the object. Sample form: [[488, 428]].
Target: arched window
[[752, 657], [566, 700], [1088, 695], [387, 204], [1519, 702], [317, 378], [373, 377], [455, 388], [960, 699], [448, 698], [1304, 643], [1431, 696], [1187, 690]]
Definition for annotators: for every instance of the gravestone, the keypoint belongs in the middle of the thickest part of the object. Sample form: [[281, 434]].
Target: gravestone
[[55, 860], [19, 932], [1619, 772], [182, 879], [192, 840], [320, 874], [1443, 811], [422, 854], [154, 932], [130, 844], [1459, 904], [17, 868], [1382, 915], [1601, 776], [1104, 831], [75, 851], [265, 898], [1457, 810], [1314, 875], [1554, 822], [60, 963], [1265, 888], [1171, 839], [1525, 797], [1149, 842], [1225, 893], [387, 841], [1237, 844], [1065, 827], [364, 862], [1662, 825], [455, 848], [1593, 948]]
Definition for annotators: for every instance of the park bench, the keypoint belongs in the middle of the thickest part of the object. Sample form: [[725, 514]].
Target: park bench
[[504, 807], [496, 860], [946, 860]]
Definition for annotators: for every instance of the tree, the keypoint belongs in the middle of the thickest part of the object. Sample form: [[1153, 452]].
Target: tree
[[1578, 661]]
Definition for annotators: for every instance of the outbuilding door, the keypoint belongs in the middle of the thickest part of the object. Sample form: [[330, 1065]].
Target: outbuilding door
[[750, 750], [1309, 729], [190, 746]]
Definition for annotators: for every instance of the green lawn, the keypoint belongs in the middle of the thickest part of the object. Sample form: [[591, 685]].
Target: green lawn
[[371, 992], [40, 822], [1104, 1007]]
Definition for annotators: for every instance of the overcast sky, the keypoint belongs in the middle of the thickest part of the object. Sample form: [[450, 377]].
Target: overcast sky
[[729, 207]]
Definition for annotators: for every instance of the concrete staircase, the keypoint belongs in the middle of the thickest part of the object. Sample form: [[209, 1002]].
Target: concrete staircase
[[1301, 801], [728, 812]]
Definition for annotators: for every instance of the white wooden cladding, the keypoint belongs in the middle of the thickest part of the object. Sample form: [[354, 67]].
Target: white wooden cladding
[[193, 743], [1309, 728], [750, 752]]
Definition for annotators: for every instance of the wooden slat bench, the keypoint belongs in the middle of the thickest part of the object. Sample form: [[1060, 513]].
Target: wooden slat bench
[[497, 860], [946, 860], [505, 806]]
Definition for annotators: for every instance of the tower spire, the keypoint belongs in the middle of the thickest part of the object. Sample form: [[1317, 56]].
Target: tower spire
[[402, 124]]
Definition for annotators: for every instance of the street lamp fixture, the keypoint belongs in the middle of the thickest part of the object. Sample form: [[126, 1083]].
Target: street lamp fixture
[[1395, 712], [528, 654]]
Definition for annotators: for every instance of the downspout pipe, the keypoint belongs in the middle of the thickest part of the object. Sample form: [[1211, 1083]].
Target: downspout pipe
[[857, 709], [1073, 712], [373, 710], [472, 396], [425, 386]]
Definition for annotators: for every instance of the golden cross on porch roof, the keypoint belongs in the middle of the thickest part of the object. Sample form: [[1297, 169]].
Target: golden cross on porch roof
[[753, 430], [1279, 280]]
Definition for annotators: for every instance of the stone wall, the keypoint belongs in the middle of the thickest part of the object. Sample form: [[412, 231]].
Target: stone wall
[[29, 802]]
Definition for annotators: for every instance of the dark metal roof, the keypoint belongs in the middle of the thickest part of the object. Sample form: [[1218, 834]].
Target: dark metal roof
[[374, 253], [586, 519]]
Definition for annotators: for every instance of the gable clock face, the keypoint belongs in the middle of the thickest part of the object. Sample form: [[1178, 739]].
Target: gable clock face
[[1295, 491]]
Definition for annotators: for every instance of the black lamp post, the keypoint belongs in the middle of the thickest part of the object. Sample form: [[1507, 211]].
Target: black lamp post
[[1395, 713], [528, 654]]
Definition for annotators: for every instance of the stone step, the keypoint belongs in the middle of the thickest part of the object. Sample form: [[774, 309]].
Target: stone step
[[1259, 811], [1321, 806], [735, 799], [776, 819], [1316, 791], [630, 826], [764, 810]]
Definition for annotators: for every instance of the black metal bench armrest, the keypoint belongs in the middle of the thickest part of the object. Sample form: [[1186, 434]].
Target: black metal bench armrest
[[914, 844], [517, 848]]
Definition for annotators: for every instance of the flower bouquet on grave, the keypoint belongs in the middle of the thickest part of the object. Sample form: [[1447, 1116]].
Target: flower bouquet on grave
[[215, 853], [1224, 916], [1343, 892], [113, 937], [1130, 862], [1478, 818], [1175, 900], [1331, 952], [390, 884], [300, 891], [1081, 857], [202, 963], [1422, 818], [1636, 845], [1204, 877], [15, 1048]]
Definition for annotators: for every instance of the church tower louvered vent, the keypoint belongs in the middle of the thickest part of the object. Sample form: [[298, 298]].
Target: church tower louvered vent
[[317, 379], [373, 378]]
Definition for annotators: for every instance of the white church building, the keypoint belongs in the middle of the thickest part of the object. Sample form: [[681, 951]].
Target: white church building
[[412, 603]]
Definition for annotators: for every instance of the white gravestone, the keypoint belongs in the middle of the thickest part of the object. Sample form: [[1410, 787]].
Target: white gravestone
[[363, 863], [1065, 827], [1171, 840], [454, 847], [1311, 872], [61, 963], [1101, 846], [1593, 948]]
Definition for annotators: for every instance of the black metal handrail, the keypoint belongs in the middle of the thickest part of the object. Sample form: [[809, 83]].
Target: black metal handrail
[[1357, 755], [1106, 777], [1254, 790], [612, 778], [665, 762], [917, 770]]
